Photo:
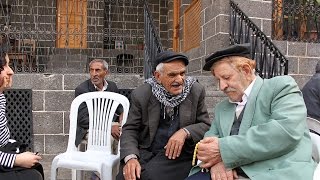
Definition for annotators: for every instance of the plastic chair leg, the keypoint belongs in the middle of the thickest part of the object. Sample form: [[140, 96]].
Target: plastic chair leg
[[79, 174], [53, 173], [74, 174], [54, 169], [105, 174]]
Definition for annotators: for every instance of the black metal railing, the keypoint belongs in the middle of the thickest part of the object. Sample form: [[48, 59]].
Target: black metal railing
[[296, 20], [270, 61], [152, 42]]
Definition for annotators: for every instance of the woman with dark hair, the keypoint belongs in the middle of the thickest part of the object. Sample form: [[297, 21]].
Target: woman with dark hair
[[13, 165]]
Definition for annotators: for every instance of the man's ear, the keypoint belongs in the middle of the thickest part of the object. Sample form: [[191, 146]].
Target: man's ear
[[157, 75], [246, 69], [247, 72]]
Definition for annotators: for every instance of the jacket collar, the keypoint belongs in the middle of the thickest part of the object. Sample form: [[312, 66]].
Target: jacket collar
[[228, 118], [251, 105]]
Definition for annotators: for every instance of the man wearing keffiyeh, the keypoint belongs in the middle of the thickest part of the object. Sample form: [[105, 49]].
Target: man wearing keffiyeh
[[167, 117]]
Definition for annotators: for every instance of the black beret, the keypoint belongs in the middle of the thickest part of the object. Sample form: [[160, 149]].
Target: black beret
[[234, 50], [167, 56]]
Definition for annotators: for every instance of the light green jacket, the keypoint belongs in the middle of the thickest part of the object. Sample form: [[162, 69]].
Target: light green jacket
[[273, 141]]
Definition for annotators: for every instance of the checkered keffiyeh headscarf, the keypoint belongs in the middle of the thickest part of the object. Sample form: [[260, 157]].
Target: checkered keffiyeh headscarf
[[165, 97]]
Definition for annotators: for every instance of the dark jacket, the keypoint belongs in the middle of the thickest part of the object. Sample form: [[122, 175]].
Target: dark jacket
[[311, 96], [83, 116]]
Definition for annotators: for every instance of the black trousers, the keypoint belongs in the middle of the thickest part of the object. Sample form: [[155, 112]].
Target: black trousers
[[25, 174], [19, 173], [159, 167]]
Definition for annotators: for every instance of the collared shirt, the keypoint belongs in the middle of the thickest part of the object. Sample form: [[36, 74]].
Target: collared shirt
[[240, 105], [105, 86]]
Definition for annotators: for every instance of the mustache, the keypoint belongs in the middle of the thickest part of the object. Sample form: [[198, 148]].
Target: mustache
[[227, 90]]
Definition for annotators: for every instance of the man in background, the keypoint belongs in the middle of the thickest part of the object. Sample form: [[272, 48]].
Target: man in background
[[98, 69], [311, 94]]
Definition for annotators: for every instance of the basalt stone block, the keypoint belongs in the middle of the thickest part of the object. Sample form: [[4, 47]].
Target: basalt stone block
[[38, 100], [38, 81], [55, 144], [58, 100], [48, 122]]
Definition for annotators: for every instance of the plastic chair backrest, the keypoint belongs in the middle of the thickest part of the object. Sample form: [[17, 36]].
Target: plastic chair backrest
[[315, 146], [101, 108], [314, 127]]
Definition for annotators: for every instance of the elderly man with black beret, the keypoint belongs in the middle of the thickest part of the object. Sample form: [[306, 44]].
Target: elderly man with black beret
[[167, 117], [260, 131]]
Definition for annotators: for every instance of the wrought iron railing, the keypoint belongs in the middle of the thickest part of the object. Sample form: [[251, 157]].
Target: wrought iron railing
[[270, 61], [152, 42], [296, 20]]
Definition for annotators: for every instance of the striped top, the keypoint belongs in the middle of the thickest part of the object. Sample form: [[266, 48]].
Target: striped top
[[6, 159]]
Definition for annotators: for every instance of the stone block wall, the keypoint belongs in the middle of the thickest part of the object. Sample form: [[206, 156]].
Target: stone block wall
[[95, 25], [215, 23], [214, 27], [36, 19], [159, 10], [107, 21]]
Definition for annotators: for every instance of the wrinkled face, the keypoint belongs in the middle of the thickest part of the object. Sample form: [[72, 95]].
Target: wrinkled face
[[172, 76], [98, 74], [231, 81], [6, 75]]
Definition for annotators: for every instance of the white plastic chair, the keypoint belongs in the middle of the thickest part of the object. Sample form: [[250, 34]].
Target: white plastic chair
[[314, 127], [98, 157]]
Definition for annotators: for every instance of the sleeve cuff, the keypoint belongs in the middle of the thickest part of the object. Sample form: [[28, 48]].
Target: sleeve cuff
[[188, 133], [130, 156], [115, 123]]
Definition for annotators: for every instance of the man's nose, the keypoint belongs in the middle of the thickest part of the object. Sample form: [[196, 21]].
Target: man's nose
[[10, 71], [223, 85], [93, 72]]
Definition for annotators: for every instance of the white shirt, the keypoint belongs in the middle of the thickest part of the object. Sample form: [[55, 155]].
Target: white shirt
[[103, 88], [240, 105]]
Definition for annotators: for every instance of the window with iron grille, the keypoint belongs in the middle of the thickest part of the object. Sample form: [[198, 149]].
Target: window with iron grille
[[296, 20]]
